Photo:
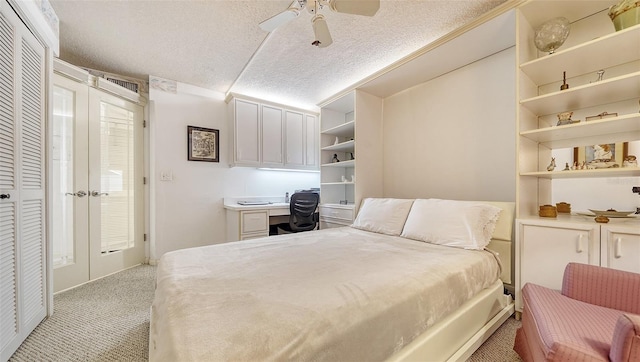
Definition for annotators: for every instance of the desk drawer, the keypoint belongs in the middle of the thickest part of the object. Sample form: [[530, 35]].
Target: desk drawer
[[254, 221], [338, 213]]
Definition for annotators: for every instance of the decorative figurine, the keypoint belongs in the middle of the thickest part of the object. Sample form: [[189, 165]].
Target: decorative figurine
[[564, 81], [552, 165], [351, 153], [565, 118], [600, 75], [630, 161], [335, 158], [566, 167]]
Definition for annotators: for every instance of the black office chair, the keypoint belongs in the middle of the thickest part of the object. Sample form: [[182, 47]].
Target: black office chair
[[302, 213]]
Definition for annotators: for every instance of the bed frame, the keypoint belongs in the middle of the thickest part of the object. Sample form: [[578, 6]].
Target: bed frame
[[461, 333]]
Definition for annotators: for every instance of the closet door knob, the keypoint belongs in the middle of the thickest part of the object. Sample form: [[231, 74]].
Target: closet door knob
[[5, 196]]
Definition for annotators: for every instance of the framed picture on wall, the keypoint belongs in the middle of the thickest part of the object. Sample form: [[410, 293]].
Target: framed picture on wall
[[203, 144], [601, 155]]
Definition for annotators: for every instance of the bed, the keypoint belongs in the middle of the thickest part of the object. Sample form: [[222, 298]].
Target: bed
[[373, 291]]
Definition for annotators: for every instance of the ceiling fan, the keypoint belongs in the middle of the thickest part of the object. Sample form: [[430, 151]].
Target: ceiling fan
[[320, 28]]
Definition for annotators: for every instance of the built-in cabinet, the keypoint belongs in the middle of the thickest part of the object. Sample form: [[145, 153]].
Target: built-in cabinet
[[544, 247], [271, 135], [593, 45], [350, 155]]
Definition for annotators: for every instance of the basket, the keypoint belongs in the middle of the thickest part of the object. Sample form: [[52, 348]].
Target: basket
[[547, 211], [625, 14], [563, 207]]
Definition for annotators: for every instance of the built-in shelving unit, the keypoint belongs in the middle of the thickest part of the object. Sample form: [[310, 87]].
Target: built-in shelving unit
[[358, 173], [593, 45]]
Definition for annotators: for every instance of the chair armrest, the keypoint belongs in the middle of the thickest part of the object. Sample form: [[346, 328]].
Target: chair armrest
[[601, 286], [625, 345]]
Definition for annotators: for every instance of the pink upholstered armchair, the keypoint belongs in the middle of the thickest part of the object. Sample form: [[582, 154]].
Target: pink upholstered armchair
[[595, 317]]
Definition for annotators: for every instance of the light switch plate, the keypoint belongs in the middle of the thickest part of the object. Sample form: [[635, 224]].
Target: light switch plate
[[166, 176]]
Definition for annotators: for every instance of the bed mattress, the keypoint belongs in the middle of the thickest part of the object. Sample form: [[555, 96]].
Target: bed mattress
[[338, 294]]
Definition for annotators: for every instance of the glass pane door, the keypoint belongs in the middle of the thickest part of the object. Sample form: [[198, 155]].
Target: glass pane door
[[115, 184], [69, 180], [117, 202]]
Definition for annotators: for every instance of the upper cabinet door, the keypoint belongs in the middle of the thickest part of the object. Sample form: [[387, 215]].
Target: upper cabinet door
[[294, 124], [247, 133], [311, 141], [272, 136]]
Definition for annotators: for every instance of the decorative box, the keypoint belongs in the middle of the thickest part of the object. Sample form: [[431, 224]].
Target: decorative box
[[601, 116]]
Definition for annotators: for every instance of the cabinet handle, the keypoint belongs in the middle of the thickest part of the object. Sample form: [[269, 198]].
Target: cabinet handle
[[579, 244], [617, 250]]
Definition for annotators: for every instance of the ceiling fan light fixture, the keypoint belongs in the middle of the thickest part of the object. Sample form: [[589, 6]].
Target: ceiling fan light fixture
[[321, 32]]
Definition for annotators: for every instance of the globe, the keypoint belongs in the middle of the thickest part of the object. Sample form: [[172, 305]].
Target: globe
[[552, 34]]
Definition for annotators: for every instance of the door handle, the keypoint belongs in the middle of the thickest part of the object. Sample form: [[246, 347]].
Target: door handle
[[96, 193], [617, 253], [5, 196], [79, 193]]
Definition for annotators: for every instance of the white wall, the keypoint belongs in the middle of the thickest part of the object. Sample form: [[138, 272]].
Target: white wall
[[188, 211], [596, 193], [454, 136]]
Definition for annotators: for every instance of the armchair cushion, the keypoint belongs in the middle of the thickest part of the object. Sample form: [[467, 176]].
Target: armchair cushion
[[556, 327], [626, 339], [601, 286]]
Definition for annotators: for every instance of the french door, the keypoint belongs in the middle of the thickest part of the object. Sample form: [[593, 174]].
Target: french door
[[97, 175]]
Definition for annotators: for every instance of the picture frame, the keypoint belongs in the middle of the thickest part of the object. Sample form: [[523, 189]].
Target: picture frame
[[203, 144], [587, 154]]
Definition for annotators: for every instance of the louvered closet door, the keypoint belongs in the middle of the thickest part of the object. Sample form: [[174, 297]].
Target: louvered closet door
[[22, 183]]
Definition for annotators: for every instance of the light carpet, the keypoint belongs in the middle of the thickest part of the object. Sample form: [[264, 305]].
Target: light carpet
[[108, 320]]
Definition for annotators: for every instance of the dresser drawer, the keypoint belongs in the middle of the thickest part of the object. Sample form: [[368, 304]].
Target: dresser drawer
[[254, 222], [337, 213]]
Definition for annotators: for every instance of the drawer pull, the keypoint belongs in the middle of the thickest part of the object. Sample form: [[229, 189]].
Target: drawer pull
[[579, 244], [617, 252]]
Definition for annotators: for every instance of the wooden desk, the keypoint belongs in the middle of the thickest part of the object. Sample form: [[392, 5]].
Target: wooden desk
[[253, 221]]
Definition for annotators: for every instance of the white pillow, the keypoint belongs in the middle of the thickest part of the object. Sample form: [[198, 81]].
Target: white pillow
[[461, 224], [384, 216]]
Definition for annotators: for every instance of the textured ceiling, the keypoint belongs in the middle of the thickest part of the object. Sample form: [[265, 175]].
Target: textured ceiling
[[218, 45]]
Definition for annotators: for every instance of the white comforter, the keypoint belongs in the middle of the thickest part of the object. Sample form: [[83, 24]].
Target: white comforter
[[337, 294]]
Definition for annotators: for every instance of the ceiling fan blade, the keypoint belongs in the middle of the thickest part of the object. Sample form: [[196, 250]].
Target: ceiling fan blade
[[279, 19], [321, 31], [357, 7]]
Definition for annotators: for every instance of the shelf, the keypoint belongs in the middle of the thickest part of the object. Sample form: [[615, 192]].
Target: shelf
[[537, 12], [587, 95], [603, 52], [343, 130], [621, 128], [345, 164], [607, 172], [337, 183], [341, 147]]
